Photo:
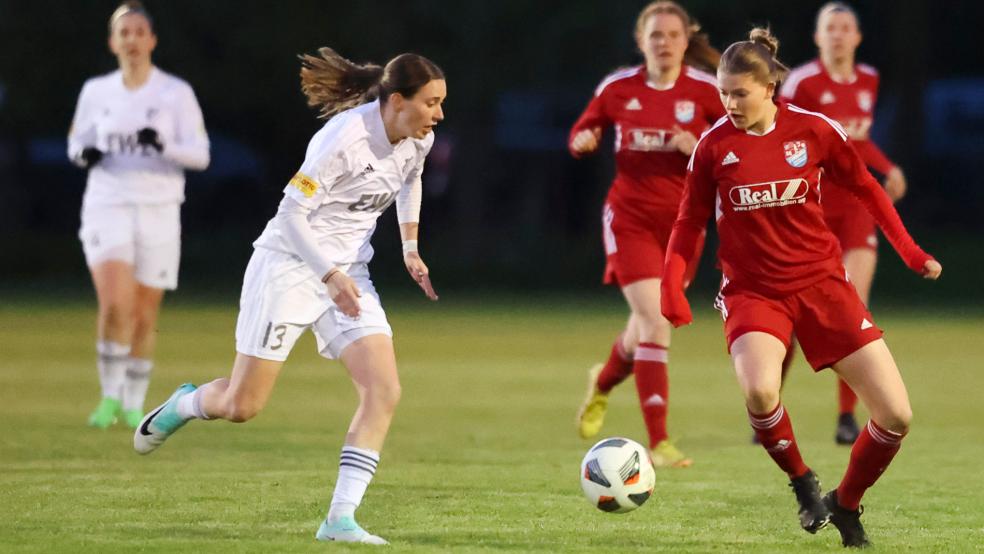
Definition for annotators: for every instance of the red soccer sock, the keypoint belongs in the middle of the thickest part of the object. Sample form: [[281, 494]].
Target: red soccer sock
[[617, 368], [870, 456], [653, 386], [846, 397], [775, 433]]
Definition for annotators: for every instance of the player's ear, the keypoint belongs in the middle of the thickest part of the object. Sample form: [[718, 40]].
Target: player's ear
[[770, 90], [396, 100]]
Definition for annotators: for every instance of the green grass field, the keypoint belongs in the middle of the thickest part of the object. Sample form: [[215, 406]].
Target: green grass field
[[483, 454]]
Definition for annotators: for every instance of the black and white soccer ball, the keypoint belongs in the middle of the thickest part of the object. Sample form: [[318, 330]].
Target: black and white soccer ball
[[617, 475]]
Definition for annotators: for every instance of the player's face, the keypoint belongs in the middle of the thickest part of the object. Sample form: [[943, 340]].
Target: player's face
[[418, 114], [663, 41], [132, 40], [745, 99], [837, 35]]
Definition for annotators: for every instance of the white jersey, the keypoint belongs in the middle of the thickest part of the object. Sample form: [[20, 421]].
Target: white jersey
[[108, 116], [350, 175]]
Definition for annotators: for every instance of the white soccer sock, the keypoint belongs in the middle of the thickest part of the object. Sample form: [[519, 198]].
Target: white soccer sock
[[136, 383], [112, 360], [190, 405], [356, 466]]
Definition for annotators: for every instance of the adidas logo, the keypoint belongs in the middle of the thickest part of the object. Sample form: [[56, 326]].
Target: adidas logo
[[865, 324], [633, 104], [730, 159], [369, 169], [827, 97], [780, 446]]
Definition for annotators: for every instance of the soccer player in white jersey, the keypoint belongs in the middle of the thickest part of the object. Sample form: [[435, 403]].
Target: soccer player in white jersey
[[309, 267], [135, 130]]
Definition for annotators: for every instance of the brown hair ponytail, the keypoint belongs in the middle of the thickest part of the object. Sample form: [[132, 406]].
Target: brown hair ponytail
[[336, 84], [756, 56]]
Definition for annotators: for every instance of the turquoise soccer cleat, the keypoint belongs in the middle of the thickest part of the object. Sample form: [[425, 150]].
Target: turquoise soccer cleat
[[345, 529], [161, 423]]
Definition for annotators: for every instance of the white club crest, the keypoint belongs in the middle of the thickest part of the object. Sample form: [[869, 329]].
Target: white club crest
[[795, 152], [865, 100], [684, 111]]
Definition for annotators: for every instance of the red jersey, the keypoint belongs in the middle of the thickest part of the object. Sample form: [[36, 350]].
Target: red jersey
[[849, 103], [648, 171], [765, 191]]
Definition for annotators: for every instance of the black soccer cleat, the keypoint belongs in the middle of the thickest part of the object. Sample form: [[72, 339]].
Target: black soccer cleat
[[813, 513], [848, 522], [847, 429]]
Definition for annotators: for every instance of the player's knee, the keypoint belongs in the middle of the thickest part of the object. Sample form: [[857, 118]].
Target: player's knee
[[761, 400], [387, 395], [116, 314], [897, 421]]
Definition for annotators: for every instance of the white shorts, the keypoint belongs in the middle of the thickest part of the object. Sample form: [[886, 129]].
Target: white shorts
[[148, 237], [282, 297]]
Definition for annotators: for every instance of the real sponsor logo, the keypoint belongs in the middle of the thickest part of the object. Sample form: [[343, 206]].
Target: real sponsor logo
[[305, 184], [795, 152], [827, 97], [684, 111], [649, 140], [633, 105], [773, 194]]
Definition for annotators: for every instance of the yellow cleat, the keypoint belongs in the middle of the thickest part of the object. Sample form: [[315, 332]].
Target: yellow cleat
[[591, 415], [665, 454]]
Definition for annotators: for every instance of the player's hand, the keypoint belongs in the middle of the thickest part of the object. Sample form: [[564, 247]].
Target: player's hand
[[586, 141], [418, 272], [895, 185], [344, 293], [149, 137], [674, 305], [91, 156], [683, 140], [932, 270]]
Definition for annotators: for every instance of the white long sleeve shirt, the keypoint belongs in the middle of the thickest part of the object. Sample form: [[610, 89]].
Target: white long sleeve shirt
[[350, 175], [108, 116]]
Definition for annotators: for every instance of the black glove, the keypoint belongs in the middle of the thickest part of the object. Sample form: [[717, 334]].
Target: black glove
[[91, 156], [148, 137]]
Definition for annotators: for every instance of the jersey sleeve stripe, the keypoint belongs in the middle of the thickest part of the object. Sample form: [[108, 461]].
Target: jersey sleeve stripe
[[703, 76], [837, 126], [718, 123], [616, 76], [796, 76]]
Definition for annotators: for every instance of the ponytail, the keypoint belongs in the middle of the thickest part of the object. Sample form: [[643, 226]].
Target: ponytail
[[757, 56], [335, 84]]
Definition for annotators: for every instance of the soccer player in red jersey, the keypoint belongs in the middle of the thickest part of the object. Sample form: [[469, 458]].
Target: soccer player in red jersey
[[846, 91], [758, 171], [658, 110]]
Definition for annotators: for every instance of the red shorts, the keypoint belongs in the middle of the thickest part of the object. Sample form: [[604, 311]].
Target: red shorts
[[635, 244], [828, 318], [853, 226]]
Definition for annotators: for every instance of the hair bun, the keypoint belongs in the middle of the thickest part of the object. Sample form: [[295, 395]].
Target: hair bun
[[764, 37]]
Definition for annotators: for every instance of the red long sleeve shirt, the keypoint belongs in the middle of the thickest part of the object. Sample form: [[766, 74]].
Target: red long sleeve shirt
[[765, 191], [649, 172], [850, 103]]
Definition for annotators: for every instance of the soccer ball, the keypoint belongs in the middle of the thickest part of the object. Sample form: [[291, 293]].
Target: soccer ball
[[617, 475]]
